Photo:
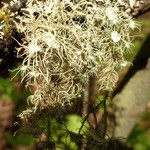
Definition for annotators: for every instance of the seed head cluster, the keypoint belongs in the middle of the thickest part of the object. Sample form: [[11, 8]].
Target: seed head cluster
[[66, 42]]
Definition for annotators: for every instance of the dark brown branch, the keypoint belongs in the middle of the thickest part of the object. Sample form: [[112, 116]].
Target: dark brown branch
[[139, 7]]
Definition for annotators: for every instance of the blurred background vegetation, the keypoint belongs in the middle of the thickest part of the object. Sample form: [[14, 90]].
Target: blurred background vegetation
[[139, 138]]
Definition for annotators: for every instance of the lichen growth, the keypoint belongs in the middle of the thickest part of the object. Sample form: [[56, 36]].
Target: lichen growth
[[66, 42], [5, 24]]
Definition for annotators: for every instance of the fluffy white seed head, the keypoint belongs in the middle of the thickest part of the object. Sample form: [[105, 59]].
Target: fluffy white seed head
[[132, 24], [33, 48], [110, 13], [115, 36]]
